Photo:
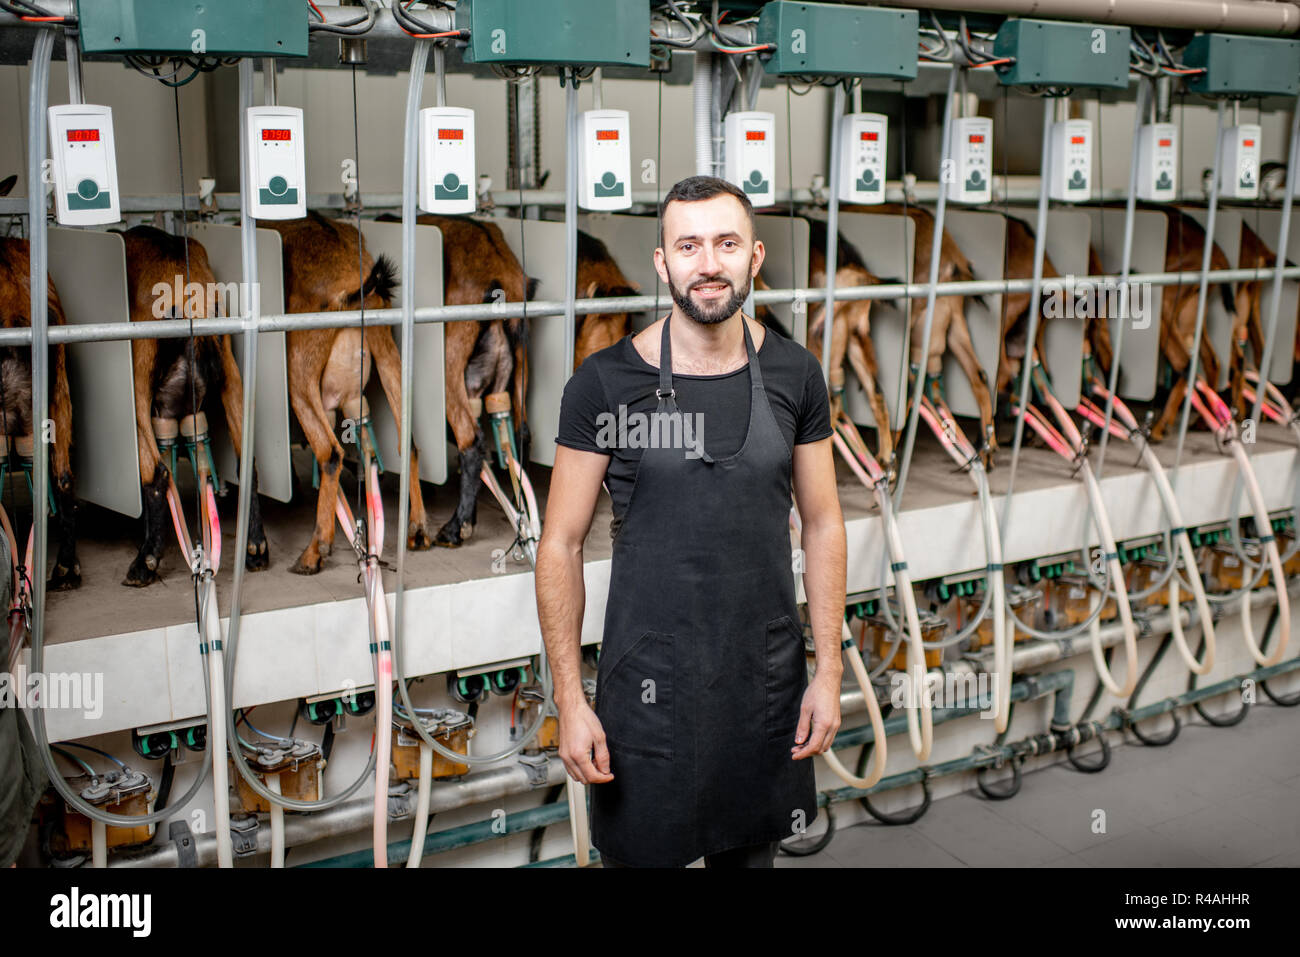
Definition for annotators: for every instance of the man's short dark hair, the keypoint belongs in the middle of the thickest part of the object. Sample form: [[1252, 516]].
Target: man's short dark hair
[[696, 188]]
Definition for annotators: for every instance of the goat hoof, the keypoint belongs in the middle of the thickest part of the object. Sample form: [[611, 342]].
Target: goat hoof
[[448, 536], [151, 561], [258, 558], [141, 574], [418, 539], [64, 579], [306, 566]]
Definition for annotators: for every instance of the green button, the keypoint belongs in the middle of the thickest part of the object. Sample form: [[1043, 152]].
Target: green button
[[87, 189], [278, 185]]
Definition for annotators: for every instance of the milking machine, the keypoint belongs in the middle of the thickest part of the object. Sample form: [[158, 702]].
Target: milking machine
[[90, 802], [363, 537]]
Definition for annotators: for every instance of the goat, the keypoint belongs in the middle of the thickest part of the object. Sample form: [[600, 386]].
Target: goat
[[328, 368], [174, 378]]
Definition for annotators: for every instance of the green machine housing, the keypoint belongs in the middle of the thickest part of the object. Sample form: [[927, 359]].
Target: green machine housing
[[1056, 53], [1240, 65], [561, 32], [229, 27], [838, 40]]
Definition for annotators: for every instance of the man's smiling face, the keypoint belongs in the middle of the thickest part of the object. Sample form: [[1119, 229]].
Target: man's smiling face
[[709, 256]]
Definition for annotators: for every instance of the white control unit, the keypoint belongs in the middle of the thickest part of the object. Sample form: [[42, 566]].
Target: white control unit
[[448, 175], [750, 139], [1071, 172], [277, 177], [1158, 163], [604, 160], [1239, 162], [85, 165], [863, 139], [971, 152]]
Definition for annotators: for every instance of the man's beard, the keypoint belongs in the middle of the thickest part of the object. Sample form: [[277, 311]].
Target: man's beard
[[716, 312]]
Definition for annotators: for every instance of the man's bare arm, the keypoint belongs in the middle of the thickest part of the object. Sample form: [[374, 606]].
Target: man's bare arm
[[825, 556], [561, 600]]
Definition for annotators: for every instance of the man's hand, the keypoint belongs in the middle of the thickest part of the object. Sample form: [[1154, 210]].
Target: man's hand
[[821, 713], [580, 733]]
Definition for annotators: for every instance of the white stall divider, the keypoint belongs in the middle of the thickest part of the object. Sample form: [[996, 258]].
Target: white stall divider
[[89, 271], [779, 237], [271, 432], [1218, 320], [631, 240], [1141, 354], [1068, 234], [1270, 221], [544, 262], [429, 395], [887, 245], [982, 237]]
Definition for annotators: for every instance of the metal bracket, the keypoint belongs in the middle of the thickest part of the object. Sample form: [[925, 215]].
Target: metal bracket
[[187, 855], [538, 768], [243, 836]]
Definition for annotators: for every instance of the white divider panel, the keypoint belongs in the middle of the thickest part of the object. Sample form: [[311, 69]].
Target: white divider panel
[[631, 240], [982, 237], [271, 427], [781, 271], [1138, 364], [887, 247], [544, 262], [89, 272], [429, 395], [1270, 221], [1218, 320], [1068, 234]]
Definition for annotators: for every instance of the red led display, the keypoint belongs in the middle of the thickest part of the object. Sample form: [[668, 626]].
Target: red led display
[[451, 134], [275, 134], [871, 137], [1248, 143], [83, 136], [606, 135], [977, 137], [1166, 142], [755, 134], [1077, 140]]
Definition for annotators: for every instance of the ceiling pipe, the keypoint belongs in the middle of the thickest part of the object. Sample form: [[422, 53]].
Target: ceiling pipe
[[1265, 17]]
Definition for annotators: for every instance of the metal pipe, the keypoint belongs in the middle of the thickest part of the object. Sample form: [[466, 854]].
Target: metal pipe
[[702, 99], [914, 417], [287, 322], [1207, 250], [570, 223], [1040, 247], [1126, 262], [832, 236], [73, 53], [1015, 188], [410, 171], [1230, 16], [355, 816]]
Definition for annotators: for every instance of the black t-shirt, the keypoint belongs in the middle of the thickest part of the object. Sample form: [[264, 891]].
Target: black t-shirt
[[619, 375]]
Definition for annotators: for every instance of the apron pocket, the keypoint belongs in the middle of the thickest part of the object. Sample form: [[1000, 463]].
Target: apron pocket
[[634, 698], [786, 678]]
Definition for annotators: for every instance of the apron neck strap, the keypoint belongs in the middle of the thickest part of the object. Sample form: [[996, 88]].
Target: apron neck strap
[[666, 360]]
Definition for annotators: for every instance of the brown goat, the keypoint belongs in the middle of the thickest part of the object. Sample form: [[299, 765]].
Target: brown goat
[[850, 333], [1184, 247], [1247, 326], [599, 278], [1018, 263], [175, 378], [481, 356], [16, 398], [328, 368], [949, 332]]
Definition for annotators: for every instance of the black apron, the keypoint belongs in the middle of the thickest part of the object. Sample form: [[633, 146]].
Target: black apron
[[702, 668]]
